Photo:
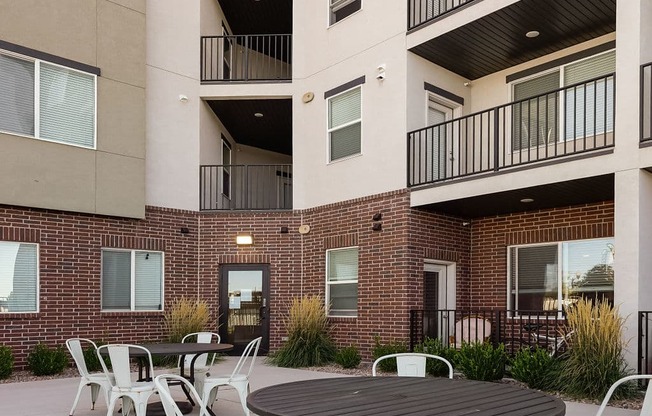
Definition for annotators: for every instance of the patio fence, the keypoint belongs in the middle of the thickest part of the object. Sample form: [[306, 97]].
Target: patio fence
[[644, 342]]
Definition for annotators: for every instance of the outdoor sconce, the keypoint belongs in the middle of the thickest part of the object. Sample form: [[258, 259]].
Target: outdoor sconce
[[244, 239], [377, 226]]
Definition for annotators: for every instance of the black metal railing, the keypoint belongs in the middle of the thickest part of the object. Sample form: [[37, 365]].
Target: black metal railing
[[422, 11], [515, 329], [245, 187], [246, 58], [567, 121], [644, 342], [646, 102]]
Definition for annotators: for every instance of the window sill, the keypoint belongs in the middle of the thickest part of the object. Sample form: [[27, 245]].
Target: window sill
[[342, 318], [131, 313]]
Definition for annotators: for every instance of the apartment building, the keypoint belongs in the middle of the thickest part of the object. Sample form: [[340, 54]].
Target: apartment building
[[390, 156]]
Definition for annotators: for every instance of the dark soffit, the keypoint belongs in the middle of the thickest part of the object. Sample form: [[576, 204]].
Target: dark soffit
[[497, 41], [271, 132], [561, 194], [251, 17]]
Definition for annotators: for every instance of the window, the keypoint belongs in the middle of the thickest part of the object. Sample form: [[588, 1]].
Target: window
[[18, 277], [345, 124], [342, 282], [553, 276], [584, 108], [46, 101], [226, 168], [132, 280], [340, 9]]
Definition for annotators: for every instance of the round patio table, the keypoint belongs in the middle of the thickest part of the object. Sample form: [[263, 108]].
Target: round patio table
[[401, 396]]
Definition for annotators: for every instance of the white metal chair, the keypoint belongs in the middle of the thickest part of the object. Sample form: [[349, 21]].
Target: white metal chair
[[412, 364], [95, 381], [646, 409], [201, 363], [237, 379], [123, 386], [169, 404]]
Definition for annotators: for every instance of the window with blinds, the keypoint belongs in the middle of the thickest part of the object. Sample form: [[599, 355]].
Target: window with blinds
[[342, 282], [340, 9], [65, 111], [345, 124], [583, 107], [132, 280], [554, 276], [18, 277]]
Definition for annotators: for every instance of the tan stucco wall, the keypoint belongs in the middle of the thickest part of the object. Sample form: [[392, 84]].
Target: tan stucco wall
[[110, 180]]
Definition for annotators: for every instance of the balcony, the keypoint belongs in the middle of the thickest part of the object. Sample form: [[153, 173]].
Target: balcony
[[246, 58], [245, 187], [568, 121], [423, 11]]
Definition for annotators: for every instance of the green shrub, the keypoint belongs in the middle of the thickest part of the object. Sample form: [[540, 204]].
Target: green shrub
[[6, 361], [379, 350], [348, 357], [92, 360], [595, 357], [436, 347], [45, 361], [481, 361], [538, 369], [184, 317], [309, 342]]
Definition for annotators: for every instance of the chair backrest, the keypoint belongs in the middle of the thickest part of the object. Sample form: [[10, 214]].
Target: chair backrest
[[169, 404], [200, 338], [120, 363], [646, 409], [471, 329], [412, 364], [76, 351], [248, 357]]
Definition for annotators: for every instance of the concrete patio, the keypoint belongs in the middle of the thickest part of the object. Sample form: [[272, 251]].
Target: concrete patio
[[54, 397]]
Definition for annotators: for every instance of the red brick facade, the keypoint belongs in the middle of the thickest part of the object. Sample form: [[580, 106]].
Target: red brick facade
[[390, 280]]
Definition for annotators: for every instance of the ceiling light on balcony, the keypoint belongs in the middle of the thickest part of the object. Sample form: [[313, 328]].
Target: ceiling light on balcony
[[527, 200], [258, 115], [532, 34]]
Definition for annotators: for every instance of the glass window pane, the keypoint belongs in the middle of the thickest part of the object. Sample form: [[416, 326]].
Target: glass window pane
[[67, 106], [343, 264], [345, 142], [344, 299], [149, 281], [344, 108], [343, 8], [588, 270], [16, 95], [116, 279], [536, 281], [18, 277]]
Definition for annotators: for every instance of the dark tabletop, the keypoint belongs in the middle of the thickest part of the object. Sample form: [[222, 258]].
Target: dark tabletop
[[181, 348], [401, 396]]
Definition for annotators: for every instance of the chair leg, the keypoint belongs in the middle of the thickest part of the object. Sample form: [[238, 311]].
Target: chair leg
[[114, 399], [243, 389], [79, 390], [95, 389]]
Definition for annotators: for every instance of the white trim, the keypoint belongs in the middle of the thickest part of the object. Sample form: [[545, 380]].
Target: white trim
[[350, 281], [38, 277], [330, 11], [350, 123]]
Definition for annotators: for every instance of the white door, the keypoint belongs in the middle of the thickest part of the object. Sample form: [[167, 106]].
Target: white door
[[441, 141], [439, 300]]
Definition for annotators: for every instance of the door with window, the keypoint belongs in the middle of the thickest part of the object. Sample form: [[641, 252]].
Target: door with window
[[441, 141], [244, 300], [438, 300]]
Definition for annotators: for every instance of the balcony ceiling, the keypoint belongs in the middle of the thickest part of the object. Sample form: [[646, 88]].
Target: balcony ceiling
[[497, 41], [564, 194], [258, 17], [271, 132]]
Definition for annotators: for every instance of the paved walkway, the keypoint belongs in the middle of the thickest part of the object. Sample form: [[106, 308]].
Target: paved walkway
[[54, 397]]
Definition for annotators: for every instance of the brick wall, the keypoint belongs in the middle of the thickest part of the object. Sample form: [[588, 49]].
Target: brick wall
[[491, 236]]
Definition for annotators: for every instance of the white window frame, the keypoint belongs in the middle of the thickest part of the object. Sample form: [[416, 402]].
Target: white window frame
[[350, 123], [335, 5], [132, 300], [339, 282], [560, 271], [38, 279], [37, 104], [561, 104]]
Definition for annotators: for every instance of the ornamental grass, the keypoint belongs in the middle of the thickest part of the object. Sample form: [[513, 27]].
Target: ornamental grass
[[309, 342], [185, 316], [595, 358]]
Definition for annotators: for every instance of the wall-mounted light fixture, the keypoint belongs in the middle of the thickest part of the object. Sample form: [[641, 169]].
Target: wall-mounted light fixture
[[377, 216], [377, 226], [284, 230], [184, 230], [244, 239], [183, 98]]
